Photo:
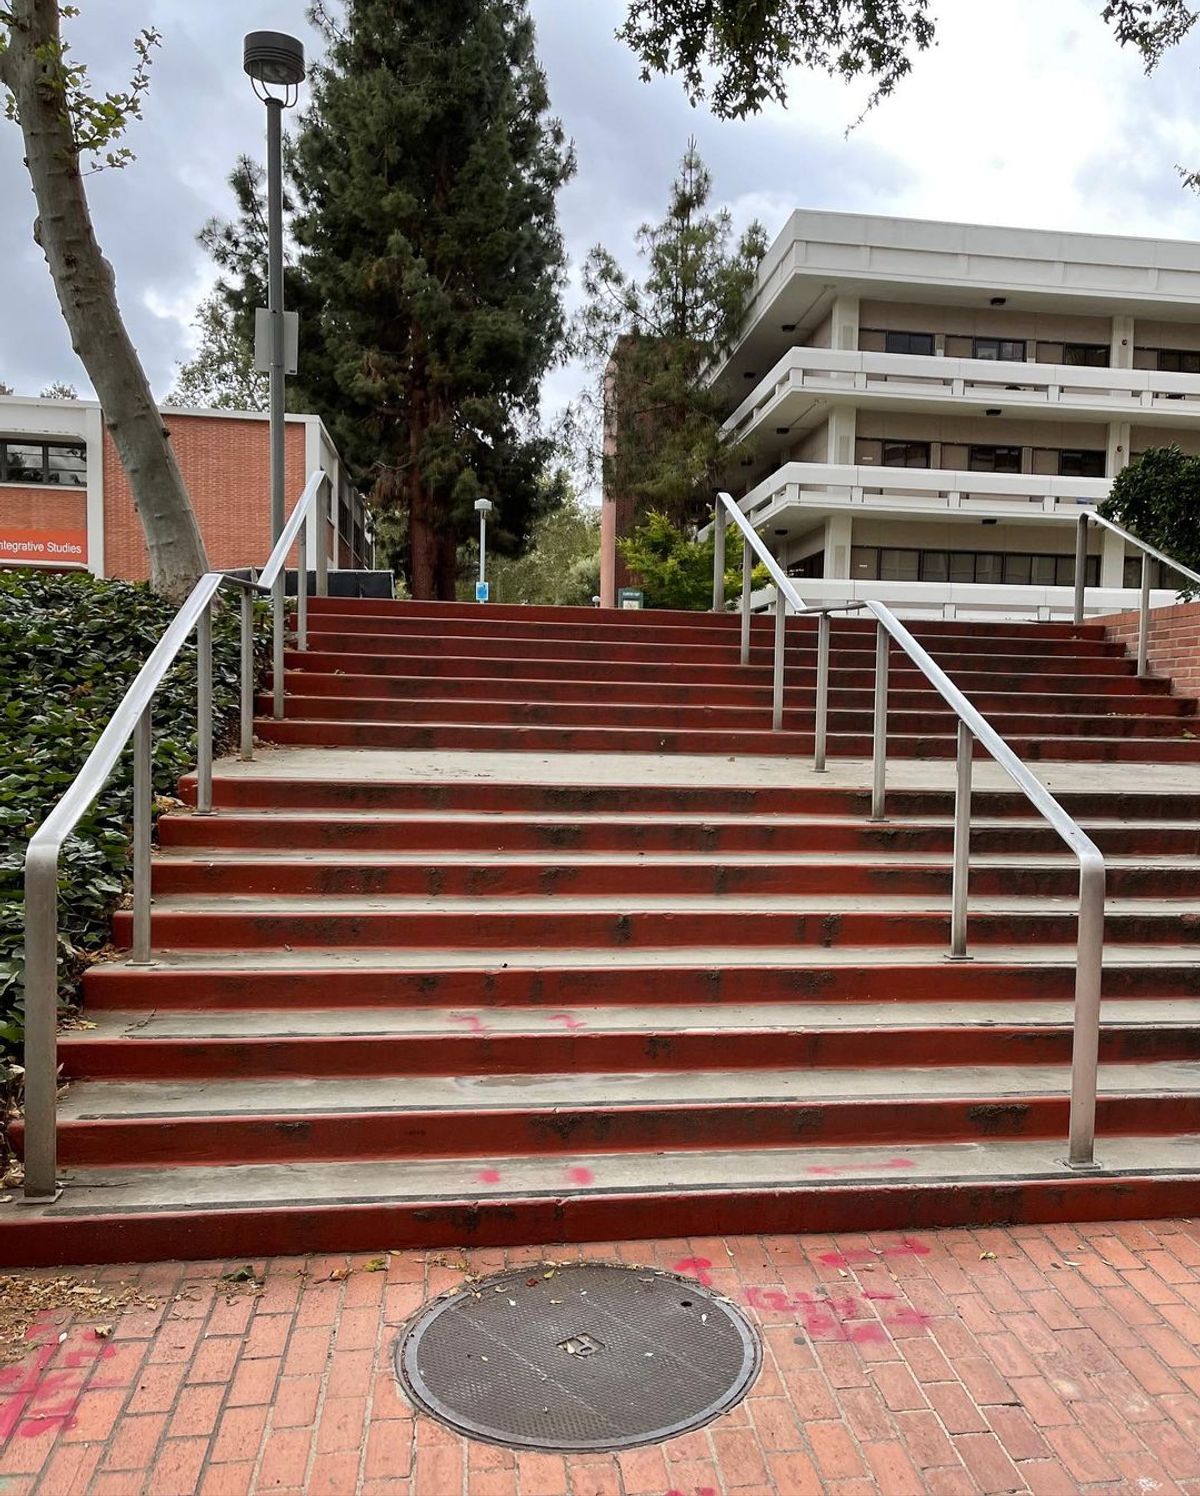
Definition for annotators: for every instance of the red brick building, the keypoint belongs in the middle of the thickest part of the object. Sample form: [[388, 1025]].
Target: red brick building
[[65, 501]]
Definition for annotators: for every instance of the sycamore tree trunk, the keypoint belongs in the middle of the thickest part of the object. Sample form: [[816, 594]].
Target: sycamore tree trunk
[[86, 288]]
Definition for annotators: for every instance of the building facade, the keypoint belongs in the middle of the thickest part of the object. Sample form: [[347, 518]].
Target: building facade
[[928, 406], [65, 501]]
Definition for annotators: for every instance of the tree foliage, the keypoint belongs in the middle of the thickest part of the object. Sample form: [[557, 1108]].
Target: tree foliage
[[676, 570], [1157, 498], [651, 342], [60, 390], [737, 53], [220, 375], [561, 568], [428, 269]]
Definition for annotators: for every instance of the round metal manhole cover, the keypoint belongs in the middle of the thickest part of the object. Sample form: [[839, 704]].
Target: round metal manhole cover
[[589, 1356]]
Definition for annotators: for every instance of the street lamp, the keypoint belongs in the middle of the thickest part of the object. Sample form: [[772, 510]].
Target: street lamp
[[275, 64], [483, 507]]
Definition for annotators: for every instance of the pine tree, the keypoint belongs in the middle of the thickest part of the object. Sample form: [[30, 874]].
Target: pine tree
[[652, 341], [425, 173]]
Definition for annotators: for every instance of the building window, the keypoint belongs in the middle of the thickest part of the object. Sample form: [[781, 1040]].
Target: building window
[[908, 342], [1086, 355], [1002, 350], [811, 566], [986, 568], [1074, 463], [61, 463], [906, 454], [995, 460], [1178, 361]]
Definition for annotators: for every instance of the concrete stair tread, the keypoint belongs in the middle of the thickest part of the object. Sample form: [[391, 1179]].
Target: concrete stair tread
[[196, 854], [682, 1018], [310, 1097], [662, 960], [247, 1187], [728, 905]]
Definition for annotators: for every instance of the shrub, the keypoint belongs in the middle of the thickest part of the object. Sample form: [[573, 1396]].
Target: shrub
[[676, 570], [1157, 498], [69, 647]]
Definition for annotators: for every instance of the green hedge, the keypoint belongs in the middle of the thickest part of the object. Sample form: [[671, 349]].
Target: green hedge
[[69, 647]]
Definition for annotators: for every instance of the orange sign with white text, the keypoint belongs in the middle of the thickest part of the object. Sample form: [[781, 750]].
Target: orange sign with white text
[[65, 547]]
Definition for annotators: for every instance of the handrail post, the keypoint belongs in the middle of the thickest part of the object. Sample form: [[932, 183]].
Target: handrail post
[[962, 845], [747, 569], [780, 648], [879, 733], [143, 789], [204, 712], [1085, 1047], [718, 601], [1080, 566], [302, 584], [247, 681], [323, 500], [1143, 668], [822, 723], [278, 608], [41, 1023]]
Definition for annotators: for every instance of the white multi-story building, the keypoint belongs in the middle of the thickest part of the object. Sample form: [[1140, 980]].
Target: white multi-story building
[[928, 405]]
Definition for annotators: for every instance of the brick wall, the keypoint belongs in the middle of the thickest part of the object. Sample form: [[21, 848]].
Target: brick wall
[[1174, 643], [225, 463], [43, 512]]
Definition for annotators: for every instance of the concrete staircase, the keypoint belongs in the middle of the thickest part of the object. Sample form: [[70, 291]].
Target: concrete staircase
[[445, 993]]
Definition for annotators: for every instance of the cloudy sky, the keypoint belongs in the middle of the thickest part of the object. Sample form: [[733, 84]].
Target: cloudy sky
[[1026, 113]]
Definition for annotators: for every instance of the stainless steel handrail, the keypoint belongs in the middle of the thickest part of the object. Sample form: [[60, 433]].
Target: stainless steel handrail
[[132, 719], [1149, 553], [972, 727]]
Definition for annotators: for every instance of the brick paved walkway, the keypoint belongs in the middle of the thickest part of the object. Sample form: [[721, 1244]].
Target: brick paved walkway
[[1062, 1359]]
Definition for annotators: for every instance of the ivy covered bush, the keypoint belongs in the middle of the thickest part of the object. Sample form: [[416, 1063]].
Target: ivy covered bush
[[69, 647], [1157, 498]]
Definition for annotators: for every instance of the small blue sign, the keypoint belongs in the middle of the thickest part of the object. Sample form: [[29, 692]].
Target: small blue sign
[[481, 591]]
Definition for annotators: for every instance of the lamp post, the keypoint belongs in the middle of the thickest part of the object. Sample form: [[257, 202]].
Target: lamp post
[[275, 64], [483, 507]]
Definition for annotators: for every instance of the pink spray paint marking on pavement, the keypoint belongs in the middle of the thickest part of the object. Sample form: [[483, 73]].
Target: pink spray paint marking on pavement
[[474, 1023], [35, 1400], [488, 1176], [579, 1175], [568, 1021]]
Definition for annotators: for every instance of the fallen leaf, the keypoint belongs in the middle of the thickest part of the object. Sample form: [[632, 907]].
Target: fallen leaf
[[987, 1256], [102, 1331], [376, 1265]]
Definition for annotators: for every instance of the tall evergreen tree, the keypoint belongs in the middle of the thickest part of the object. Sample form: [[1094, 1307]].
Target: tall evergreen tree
[[425, 173], [651, 342]]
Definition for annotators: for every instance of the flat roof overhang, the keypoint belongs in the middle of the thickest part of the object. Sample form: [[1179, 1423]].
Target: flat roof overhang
[[820, 256]]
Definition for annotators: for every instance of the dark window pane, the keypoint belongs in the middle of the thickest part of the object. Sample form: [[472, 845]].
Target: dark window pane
[[989, 568], [962, 566], [1081, 464], [24, 462], [67, 465], [935, 566], [1043, 572], [909, 342], [1007, 350], [811, 566], [1086, 355], [906, 454], [1178, 361], [1018, 569], [899, 565], [995, 460]]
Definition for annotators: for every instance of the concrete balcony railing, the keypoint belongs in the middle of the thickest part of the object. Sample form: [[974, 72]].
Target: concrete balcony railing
[[964, 383], [1005, 495]]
